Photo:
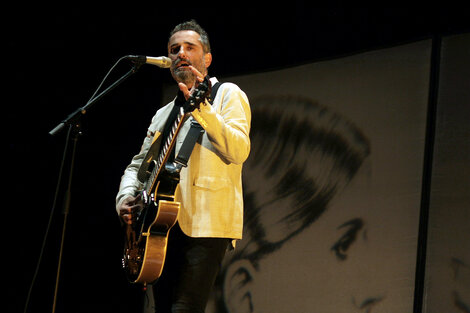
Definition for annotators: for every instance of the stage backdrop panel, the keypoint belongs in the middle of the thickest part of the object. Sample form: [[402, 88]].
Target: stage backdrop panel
[[447, 285], [332, 186]]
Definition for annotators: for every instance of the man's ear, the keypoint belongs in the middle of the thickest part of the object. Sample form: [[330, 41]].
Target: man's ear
[[207, 59], [237, 288]]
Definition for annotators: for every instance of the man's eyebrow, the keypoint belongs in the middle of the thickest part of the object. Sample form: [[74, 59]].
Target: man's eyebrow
[[185, 42]]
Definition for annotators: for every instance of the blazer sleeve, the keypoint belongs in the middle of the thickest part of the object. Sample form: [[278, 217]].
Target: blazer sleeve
[[227, 122], [130, 184]]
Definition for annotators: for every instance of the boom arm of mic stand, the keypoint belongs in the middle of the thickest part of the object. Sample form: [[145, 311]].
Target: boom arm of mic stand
[[74, 117]]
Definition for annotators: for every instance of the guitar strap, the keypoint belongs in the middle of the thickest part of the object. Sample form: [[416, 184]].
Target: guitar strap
[[193, 135]]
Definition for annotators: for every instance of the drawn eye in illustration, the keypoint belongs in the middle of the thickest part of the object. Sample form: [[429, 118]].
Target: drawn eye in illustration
[[353, 227]]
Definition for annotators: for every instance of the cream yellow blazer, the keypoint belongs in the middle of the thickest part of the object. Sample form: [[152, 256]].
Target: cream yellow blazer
[[210, 189]]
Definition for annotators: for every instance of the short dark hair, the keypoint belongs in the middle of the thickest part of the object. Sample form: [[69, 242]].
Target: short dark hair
[[194, 26]]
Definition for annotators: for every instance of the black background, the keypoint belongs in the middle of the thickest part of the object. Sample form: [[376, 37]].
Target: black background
[[55, 57]]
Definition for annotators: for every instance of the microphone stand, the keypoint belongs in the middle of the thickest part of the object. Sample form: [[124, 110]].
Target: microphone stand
[[74, 117], [74, 123]]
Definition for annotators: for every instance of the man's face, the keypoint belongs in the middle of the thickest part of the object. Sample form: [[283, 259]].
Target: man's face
[[184, 49]]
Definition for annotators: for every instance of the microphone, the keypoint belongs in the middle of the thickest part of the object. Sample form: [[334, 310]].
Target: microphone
[[162, 62]]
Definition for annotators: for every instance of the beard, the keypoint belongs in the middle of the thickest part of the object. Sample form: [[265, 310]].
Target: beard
[[183, 74]]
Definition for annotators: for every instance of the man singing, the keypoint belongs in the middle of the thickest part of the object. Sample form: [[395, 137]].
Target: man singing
[[210, 187]]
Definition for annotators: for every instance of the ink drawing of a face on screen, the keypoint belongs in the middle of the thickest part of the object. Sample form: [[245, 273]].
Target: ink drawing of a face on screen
[[296, 242]]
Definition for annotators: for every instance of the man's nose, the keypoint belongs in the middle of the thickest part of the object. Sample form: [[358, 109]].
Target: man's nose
[[181, 52]]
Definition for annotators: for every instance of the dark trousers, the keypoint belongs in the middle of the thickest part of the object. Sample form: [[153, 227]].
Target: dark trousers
[[190, 269]]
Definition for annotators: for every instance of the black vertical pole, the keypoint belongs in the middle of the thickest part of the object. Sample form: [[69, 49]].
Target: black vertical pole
[[427, 175]]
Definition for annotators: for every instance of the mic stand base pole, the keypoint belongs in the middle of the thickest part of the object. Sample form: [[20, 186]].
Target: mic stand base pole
[[75, 132], [73, 121], [60, 261]]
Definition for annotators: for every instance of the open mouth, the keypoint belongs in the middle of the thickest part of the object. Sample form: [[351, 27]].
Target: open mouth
[[182, 64]]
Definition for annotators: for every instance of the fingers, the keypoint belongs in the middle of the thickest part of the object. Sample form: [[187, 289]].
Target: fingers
[[127, 218], [197, 74], [198, 79], [184, 89], [126, 215], [128, 207]]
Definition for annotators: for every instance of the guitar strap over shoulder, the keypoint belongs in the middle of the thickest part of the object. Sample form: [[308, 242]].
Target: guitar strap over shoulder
[[193, 135]]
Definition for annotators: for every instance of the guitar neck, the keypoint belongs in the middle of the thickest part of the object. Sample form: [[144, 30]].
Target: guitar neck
[[167, 146], [198, 95]]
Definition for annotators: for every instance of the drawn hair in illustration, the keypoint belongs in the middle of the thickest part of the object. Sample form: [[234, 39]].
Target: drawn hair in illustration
[[303, 153]]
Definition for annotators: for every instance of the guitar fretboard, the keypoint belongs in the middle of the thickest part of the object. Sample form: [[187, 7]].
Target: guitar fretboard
[[166, 148]]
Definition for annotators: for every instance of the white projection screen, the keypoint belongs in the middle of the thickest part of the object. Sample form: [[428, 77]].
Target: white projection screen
[[332, 186]]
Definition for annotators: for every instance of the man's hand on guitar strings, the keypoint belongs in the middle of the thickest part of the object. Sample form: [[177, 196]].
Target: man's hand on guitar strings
[[128, 207]]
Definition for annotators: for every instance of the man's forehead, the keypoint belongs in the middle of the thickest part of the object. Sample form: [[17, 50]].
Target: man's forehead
[[185, 36]]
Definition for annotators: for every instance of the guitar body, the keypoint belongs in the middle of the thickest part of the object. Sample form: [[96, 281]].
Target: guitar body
[[146, 238], [144, 254]]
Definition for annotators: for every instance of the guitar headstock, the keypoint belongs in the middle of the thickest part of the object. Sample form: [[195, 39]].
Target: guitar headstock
[[200, 94]]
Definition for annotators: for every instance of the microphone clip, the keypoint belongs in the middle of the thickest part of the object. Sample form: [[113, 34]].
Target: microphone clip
[[138, 60]]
